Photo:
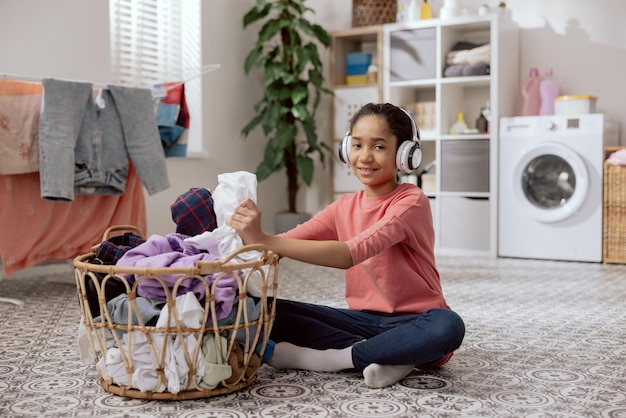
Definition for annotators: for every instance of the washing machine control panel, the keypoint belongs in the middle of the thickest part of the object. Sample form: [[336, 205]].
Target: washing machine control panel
[[568, 124], [573, 123]]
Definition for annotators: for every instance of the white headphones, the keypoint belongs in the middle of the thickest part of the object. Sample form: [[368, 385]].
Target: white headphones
[[408, 156]]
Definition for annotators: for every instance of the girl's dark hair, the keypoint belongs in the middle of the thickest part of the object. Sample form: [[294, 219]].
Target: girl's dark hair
[[399, 122]]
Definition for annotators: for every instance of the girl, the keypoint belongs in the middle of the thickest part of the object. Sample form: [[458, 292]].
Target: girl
[[383, 237]]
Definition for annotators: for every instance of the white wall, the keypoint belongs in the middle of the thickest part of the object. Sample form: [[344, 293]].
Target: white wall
[[582, 40]]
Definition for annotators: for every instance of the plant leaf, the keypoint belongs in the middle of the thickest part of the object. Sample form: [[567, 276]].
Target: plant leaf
[[258, 12], [252, 59], [299, 94], [305, 168]]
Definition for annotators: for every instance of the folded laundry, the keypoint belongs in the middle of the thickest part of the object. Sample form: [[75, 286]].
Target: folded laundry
[[470, 54], [464, 70]]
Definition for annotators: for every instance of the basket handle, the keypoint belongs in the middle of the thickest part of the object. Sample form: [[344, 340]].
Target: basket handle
[[129, 228], [244, 249], [209, 266]]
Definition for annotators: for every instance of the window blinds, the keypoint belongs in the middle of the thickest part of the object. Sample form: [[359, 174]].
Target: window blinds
[[157, 41], [146, 41]]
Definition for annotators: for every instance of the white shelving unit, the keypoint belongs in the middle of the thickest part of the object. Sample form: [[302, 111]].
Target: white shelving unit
[[464, 199], [411, 58]]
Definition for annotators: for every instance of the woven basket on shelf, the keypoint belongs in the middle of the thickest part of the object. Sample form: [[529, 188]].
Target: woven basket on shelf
[[242, 342], [373, 12], [614, 237]]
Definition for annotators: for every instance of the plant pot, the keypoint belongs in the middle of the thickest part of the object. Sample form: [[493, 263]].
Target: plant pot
[[284, 221]]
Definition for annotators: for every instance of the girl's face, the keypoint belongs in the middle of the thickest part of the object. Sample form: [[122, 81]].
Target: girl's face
[[373, 155]]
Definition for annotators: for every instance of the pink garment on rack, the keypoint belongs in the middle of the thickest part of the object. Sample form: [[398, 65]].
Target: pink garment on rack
[[34, 230], [176, 96], [20, 108]]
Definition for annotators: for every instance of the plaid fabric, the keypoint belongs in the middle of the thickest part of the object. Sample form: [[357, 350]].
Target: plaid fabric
[[114, 248], [193, 212]]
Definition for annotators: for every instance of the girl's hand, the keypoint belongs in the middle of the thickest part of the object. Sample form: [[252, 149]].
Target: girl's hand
[[246, 220]]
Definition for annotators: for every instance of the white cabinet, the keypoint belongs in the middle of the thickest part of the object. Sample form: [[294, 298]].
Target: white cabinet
[[411, 58], [464, 197]]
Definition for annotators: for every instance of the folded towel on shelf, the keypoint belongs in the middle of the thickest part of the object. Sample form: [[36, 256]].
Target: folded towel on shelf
[[480, 54], [459, 70]]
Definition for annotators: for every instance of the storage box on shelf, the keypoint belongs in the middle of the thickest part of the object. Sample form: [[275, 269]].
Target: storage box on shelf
[[354, 44], [373, 12], [424, 113], [357, 63], [412, 54]]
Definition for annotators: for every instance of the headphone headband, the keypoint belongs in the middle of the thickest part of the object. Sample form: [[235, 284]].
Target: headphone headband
[[416, 132]]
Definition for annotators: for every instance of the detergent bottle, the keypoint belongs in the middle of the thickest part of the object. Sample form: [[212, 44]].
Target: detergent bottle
[[548, 90], [459, 126], [425, 11], [531, 99], [412, 11]]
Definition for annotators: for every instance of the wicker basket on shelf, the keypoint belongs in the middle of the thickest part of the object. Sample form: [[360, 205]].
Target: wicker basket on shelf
[[144, 355], [614, 237], [373, 12]]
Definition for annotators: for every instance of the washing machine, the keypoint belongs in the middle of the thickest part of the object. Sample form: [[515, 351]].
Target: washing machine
[[550, 186]]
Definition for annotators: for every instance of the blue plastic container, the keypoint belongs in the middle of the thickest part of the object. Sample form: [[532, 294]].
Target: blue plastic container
[[357, 62], [357, 69], [358, 58]]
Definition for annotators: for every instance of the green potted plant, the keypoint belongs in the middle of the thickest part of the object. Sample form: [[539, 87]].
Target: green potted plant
[[287, 52]]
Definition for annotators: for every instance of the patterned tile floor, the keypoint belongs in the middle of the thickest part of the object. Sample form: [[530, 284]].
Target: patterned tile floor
[[544, 339]]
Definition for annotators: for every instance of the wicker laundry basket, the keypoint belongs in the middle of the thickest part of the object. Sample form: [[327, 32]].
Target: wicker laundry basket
[[614, 237], [241, 342], [373, 12]]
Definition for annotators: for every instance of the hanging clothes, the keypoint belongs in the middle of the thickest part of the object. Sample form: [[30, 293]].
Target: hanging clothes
[[20, 107], [85, 143], [35, 230], [173, 118]]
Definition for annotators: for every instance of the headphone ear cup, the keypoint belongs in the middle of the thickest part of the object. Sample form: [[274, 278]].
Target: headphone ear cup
[[344, 149], [409, 156]]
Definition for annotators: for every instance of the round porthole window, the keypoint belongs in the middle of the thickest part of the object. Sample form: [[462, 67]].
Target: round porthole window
[[551, 181]]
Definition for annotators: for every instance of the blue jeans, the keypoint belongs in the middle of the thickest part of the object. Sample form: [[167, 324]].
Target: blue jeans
[[375, 337]]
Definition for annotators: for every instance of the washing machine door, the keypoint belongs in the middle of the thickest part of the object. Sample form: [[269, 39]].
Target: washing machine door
[[551, 182]]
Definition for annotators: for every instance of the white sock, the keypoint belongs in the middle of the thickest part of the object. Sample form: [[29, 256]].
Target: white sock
[[290, 356], [379, 376]]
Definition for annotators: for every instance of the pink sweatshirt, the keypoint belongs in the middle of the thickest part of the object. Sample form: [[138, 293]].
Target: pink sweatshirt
[[391, 241]]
